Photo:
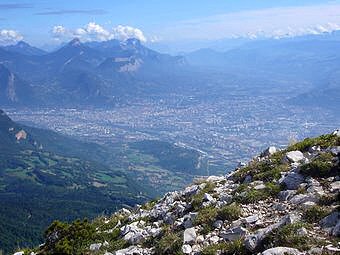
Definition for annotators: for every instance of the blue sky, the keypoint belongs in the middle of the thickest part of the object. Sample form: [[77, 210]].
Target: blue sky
[[51, 22]]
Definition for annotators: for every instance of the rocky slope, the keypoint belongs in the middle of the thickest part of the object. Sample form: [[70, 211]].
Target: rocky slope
[[281, 202]]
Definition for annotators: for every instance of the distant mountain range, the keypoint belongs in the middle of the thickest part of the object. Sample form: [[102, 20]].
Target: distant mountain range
[[314, 60], [25, 49], [103, 74], [83, 73]]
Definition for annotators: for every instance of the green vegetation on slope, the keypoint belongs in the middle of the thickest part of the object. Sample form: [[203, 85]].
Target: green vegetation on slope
[[46, 176]]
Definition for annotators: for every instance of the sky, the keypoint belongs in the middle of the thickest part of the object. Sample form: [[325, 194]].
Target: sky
[[46, 22]]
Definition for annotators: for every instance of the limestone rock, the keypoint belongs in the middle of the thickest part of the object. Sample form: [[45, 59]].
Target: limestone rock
[[302, 231], [134, 250], [335, 186], [95, 246], [269, 151], [247, 179], [214, 239], [252, 241], [308, 204], [336, 230], [186, 248], [133, 237], [189, 236], [292, 180], [234, 233], [218, 224], [286, 194], [302, 198], [200, 239], [336, 132], [281, 251], [335, 150], [260, 186], [251, 219], [332, 249], [331, 220], [191, 190], [207, 197], [294, 156]]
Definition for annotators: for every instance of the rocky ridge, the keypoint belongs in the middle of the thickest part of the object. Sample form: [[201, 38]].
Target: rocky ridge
[[281, 202]]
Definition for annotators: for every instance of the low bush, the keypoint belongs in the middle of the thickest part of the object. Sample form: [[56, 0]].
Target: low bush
[[208, 215], [288, 236], [322, 166], [64, 238], [229, 248], [323, 141], [169, 244], [315, 214], [206, 218], [266, 171], [251, 195], [149, 205], [197, 199], [330, 199], [229, 212]]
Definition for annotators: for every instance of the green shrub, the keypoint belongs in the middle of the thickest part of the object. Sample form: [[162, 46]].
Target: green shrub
[[117, 244], [113, 221], [323, 141], [169, 244], [230, 248], [229, 212], [206, 218], [208, 215], [241, 188], [301, 190], [252, 195], [327, 200], [64, 238], [288, 236], [272, 189], [274, 173], [266, 171], [322, 166], [149, 205], [270, 169], [315, 214], [197, 199]]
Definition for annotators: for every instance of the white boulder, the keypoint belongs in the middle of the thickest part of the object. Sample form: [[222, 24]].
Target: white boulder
[[189, 236], [281, 251], [186, 249], [295, 156]]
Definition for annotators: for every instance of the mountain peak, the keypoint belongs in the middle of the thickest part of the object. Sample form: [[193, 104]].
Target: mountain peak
[[132, 43], [23, 44], [24, 48], [5, 123], [75, 42], [3, 114]]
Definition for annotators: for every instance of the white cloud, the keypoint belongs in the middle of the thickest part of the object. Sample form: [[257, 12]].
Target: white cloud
[[95, 32], [59, 31], [9, 37], [125, 32], [273, 22]]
